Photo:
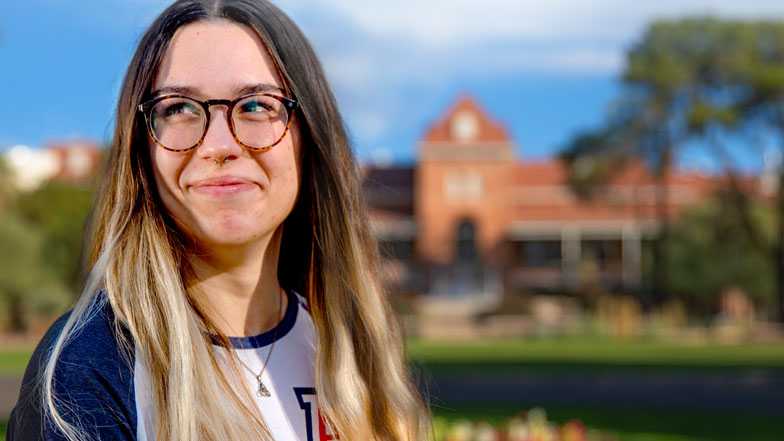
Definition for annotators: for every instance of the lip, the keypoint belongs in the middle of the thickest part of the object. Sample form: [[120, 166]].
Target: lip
[[222, 185]]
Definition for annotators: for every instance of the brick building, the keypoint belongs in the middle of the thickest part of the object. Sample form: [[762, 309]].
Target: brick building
[[69, 161], [470, 216]]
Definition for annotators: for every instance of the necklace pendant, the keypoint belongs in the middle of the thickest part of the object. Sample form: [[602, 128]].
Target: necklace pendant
[[263, 391]]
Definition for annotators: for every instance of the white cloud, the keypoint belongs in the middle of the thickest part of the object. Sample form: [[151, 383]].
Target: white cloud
[[374, 51], [371, 49], [358, 36], [439, 23], [354, 34]]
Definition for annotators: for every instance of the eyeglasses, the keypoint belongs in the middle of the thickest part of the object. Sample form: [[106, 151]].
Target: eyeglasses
[[258, 121]]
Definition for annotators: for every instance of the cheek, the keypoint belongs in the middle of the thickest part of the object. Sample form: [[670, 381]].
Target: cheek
[[166, 168], [281, 187], [287, 173], [294, 158]]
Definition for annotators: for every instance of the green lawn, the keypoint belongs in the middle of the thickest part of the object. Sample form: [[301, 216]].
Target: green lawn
[[627, 424], [13, 361], [601, 354], [568, 354], [554, 354], [640, 424], [631, 424]]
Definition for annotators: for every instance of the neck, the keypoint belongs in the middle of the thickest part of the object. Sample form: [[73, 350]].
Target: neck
[[238, 286]]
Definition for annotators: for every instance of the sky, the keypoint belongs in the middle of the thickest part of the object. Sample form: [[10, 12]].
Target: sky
[[546, 69]]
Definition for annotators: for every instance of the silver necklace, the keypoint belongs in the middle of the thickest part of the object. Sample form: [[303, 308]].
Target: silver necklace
[[262, 391]]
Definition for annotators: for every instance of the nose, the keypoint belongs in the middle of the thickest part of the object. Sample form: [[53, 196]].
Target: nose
[[219, 144]]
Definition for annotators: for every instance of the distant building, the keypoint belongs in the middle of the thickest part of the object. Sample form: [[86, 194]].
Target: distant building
[[471, 217], [70, 161]]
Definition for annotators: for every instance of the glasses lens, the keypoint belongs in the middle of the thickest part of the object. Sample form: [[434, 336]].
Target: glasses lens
[[259, 120], [178, 123]]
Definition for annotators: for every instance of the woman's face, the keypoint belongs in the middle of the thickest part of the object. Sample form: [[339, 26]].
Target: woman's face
[[219, 192]]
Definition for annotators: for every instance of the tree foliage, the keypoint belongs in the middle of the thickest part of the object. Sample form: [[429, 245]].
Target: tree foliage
[[6, 186], [59, 211], [703, 81], [27, 286], [41, 239], [709, 253]]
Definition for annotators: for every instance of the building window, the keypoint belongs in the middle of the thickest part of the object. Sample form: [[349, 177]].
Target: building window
[[392, 249], [465, 126], [540, 253]]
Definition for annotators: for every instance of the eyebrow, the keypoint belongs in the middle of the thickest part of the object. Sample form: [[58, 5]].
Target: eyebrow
[[238, 91]]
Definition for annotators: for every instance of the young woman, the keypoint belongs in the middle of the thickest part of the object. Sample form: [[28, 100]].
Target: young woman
[[233, 290]]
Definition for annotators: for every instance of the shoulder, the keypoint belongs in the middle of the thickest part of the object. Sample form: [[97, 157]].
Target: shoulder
[[93, 380], [93, 349], [95, 344]]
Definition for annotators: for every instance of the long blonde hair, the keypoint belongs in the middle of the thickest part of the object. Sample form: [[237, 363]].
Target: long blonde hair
[[139, 258]]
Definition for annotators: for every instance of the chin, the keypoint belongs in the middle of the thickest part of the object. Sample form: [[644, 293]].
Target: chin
[[231, 236], [215, 240], [230, 226]]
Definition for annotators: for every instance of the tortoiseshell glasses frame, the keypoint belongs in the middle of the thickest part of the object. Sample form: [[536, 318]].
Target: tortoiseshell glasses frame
[[146, 108]]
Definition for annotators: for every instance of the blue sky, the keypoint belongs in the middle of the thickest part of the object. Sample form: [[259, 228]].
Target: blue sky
[[545, 69]]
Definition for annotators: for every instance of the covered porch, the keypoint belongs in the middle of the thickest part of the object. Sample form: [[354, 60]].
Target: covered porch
[[571, 255]]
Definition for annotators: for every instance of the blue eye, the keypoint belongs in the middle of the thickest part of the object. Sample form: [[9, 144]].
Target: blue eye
[[254, 106], [182, 107]]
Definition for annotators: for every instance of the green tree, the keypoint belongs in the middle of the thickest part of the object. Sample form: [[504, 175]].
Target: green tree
[[697, 79], [6, 185], [60, 210], [739, 90], [646, 123], [26, 284], [710, 252]]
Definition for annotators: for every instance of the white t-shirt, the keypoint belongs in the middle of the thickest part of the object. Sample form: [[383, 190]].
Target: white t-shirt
[[115, 398]]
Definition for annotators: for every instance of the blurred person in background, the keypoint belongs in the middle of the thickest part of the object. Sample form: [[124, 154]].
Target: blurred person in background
[[232, 291]]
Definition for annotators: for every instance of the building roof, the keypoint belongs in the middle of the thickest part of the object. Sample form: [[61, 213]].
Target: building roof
[[77, 159], [389, 189], [541, 192], [487, 130], [537, 191]]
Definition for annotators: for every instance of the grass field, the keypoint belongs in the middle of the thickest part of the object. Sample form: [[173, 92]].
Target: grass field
[[554, 353], [13, 361], [600, 354], [641, 424], [570, 354], [584, 354], [630, 424]]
